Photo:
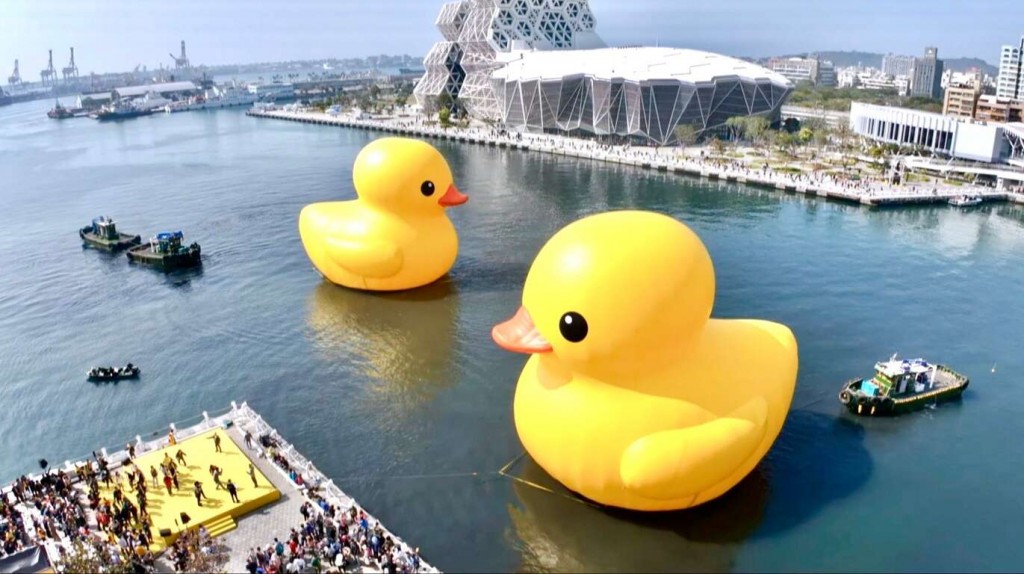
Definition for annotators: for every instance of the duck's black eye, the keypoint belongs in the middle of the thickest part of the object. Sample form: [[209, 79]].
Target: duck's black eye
[[573, 327], [427, 188]]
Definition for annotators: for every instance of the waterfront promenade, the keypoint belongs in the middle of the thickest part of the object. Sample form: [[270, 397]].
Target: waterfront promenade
[[666, 159], [293, 501]]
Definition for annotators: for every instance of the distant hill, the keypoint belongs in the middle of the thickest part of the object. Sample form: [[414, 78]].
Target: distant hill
[[874, 60]]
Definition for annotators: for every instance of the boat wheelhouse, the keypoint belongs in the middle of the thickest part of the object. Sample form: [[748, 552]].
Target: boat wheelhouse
[[103, 234], [165, 251], [902, 385]]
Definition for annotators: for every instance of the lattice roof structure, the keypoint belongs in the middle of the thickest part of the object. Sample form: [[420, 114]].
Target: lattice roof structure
[[476, 31], [636, 92]]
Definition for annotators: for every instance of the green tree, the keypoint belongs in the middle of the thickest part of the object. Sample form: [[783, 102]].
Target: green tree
[[444, 101], [686, 134], [805, 135], [756, 127], [444, 116], [737, 127]]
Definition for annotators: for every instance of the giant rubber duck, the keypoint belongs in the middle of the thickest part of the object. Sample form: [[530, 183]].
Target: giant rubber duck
[[633, 396], [396, 234]]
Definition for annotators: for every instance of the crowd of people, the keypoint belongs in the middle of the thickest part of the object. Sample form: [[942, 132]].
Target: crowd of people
[[854, 183], [56, 511], [329, 540]]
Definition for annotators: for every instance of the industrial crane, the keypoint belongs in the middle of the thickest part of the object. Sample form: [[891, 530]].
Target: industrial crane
[[71, 71], [49, 75], [15, 78], [182, 61]]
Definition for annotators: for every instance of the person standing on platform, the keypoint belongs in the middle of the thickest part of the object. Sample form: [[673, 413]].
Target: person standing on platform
[[152, 472], [131, 450], [174, 477], [216, 442], [248, 440], [252, 474], [168, 482], [200, 495], [233, 491], [180, 456], [171, 440]]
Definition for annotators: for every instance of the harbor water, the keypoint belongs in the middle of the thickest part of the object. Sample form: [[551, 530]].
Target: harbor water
[[405, 401]]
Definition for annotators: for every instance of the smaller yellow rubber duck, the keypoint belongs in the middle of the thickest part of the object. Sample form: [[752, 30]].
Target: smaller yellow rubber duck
[[633, 396], [396, 235]]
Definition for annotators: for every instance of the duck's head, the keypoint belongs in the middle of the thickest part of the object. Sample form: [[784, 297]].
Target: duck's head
[[614, 294], [405, 176]]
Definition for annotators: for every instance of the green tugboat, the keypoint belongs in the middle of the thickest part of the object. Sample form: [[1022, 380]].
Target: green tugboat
[[900, 385], [103, 234], [166, 252]]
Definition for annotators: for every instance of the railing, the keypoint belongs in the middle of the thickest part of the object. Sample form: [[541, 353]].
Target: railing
[[250, 420]]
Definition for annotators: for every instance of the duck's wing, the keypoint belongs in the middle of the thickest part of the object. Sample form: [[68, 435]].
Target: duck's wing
[[377, 258], [683, 462]]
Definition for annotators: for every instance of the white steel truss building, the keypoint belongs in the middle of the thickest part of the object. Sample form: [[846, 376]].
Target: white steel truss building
[[635, 92], [538, 65]]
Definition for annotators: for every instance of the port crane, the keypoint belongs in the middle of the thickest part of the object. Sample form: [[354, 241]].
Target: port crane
[[71, 71], [181, 62], [15, 78], [49, 75]]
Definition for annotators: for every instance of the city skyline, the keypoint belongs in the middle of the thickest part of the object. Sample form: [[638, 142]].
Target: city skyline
[[113, 37]]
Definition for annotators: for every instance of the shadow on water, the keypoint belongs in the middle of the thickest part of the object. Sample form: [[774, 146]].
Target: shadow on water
[[405, 339], [182, 278], [816, 461], [481, 276]]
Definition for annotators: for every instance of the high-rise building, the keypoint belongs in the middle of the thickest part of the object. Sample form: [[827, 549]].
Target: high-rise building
[[926, 76], [1010, 84], [897, 65], [813, 70], [962, 98]]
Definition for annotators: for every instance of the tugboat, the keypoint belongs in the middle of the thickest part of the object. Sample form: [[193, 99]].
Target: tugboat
[[105, 374], [103, 234], [59, 112], [900, 385], [166, 252]]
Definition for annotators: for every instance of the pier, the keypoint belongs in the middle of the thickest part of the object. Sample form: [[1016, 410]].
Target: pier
[[264, 468], [664, 159]]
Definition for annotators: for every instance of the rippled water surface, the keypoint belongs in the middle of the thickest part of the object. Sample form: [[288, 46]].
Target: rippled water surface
[[401, 398]]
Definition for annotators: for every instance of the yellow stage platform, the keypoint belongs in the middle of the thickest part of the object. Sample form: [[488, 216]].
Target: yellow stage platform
[[218, 511]]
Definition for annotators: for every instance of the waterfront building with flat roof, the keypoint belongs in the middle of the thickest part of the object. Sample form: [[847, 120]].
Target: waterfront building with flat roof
[[1010, 84], [945, 135]]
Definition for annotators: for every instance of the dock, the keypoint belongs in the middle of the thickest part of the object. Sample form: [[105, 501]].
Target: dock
[[874, 195], [269, 497]]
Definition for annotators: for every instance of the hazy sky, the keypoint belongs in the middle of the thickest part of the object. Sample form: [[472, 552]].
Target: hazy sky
[[115, 35]]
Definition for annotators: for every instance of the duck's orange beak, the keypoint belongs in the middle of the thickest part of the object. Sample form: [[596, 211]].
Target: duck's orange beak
[[520, 335], [452, 197]]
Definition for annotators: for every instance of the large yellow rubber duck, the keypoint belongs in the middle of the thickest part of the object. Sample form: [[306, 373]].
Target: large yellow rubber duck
[[396, 235], [633, 396]]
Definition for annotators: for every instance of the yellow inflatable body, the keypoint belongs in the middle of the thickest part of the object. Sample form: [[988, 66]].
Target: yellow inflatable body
[[396, 235], [633, 396]]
